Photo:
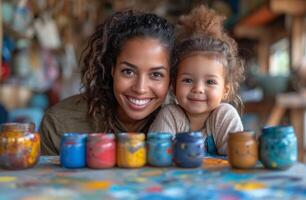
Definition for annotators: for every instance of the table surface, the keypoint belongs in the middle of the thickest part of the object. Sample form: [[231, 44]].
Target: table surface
[[214, 180]]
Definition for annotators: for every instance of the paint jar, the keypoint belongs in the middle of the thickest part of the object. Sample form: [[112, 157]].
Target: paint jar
[[101, 150], [19, 146], [189, 149], [278, 147], [242, 149], [131, 150], [159, 147], [73, 150]]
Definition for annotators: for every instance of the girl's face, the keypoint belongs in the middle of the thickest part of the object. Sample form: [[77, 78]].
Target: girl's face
[[141, 78], [200, 84]]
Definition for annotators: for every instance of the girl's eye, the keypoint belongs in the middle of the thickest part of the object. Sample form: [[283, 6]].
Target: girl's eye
[[127, 72], [157, 75], [187, 80], [211, 82]]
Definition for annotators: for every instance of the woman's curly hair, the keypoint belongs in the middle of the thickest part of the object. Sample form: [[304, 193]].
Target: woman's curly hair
[[103, 48], [202, 31]]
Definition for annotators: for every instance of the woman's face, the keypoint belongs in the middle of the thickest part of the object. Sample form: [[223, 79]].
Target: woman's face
[[141, 78]]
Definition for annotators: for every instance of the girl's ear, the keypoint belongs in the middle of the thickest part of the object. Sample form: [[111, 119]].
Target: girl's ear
[[113, 71], [227, 90]]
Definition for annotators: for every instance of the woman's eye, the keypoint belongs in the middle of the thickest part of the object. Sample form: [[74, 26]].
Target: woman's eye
[[127, 72], [157, 75]]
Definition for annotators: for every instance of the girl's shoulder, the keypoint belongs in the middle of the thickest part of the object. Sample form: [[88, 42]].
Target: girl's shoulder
[[172, 109], [225, 108]]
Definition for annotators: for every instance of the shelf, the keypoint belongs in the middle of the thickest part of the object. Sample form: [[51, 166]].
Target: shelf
[[258, 17]]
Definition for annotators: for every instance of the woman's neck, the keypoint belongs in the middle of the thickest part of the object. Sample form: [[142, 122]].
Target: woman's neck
[[128, 124]]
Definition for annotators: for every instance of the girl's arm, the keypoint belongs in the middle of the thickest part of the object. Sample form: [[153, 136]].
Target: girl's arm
[[223, 120], [170, 119]]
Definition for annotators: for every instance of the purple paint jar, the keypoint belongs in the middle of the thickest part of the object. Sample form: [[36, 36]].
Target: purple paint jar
[[73, 150], [189, 149]]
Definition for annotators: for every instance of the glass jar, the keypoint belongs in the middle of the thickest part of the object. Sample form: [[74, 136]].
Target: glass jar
[[278, 147], [101, 150], [189, 149], [131, 150], [19, 145], [159, 147], [73, 150], [242, 149]]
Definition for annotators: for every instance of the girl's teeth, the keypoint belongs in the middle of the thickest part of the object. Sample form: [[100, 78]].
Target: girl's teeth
[[139, 102]]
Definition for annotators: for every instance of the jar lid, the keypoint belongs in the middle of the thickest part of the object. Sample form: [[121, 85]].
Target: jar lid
[[14, 126], [102, 136], [74, 136], [159, 135], [187, 135], [131, 135], [278, 129]]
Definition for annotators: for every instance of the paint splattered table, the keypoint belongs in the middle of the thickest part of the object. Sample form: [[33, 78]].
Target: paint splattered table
[[215, 180]]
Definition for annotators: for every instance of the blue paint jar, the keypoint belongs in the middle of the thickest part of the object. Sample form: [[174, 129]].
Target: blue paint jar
[[159, 147], [189, 149], [73, 150], [278, 147]]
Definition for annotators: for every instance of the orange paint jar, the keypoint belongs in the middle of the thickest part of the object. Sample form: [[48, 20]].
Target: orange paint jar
[[242, 149], [19, 146]]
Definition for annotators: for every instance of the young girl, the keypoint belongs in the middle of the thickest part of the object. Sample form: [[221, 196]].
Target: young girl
[[206, 80], [125, 77]]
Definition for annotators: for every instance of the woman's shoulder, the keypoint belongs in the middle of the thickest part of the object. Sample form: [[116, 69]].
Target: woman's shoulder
[[75, 103]]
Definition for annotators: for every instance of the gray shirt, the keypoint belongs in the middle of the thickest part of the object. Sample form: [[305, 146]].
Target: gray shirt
[[221, 121]]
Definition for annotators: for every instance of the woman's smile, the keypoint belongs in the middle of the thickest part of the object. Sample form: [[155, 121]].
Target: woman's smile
[[138, 103]]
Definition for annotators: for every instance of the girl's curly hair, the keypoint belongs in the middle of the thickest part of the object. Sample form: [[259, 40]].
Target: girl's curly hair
[[103, 48], [202, 31]]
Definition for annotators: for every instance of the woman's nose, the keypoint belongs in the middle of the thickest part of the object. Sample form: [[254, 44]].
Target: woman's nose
[[140, 85]]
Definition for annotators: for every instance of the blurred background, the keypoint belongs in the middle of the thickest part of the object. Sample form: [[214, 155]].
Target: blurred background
[[41, 42]]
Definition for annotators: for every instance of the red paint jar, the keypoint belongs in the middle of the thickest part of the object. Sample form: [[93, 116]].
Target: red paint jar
[[101, 150]]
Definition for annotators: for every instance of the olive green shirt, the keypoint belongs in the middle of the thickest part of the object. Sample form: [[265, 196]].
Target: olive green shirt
[[70, 115]]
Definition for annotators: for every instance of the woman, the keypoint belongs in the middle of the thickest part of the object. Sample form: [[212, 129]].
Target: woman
[[126, 76]]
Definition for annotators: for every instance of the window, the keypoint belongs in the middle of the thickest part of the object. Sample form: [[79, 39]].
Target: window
[[279, 58]]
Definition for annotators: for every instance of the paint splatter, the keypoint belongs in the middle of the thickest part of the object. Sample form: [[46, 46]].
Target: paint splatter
[[250, 186], [97, 185], [215, 163], [5, 179]]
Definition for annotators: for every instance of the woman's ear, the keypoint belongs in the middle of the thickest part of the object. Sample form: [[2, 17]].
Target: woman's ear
[[113, 71]]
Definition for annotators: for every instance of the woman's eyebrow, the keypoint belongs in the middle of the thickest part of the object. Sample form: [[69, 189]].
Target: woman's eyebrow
[[159, 68], [128, 64]]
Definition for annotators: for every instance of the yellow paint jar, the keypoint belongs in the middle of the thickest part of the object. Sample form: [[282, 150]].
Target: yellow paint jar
[[19, 146], [131, 150]]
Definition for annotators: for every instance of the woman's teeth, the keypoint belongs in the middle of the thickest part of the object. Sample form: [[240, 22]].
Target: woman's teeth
[[139, 102]]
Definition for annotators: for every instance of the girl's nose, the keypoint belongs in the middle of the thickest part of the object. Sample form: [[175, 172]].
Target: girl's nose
[[199, 88]]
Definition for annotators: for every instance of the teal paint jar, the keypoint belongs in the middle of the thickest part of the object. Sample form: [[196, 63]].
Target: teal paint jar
[[278, 147], [159, 149]]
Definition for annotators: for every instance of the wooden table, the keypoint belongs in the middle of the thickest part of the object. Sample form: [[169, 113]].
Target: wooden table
[[214, 180]]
